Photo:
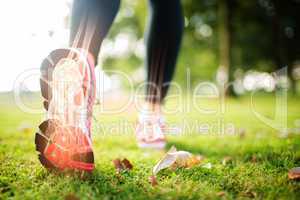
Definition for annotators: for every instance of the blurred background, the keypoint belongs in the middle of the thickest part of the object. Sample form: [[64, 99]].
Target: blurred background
[[243, 41], [248, 146]]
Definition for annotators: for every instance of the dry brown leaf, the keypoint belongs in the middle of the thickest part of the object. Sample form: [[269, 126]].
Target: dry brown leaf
[[153, 180], [172, 156], [175, 159], [126, 163], [226, 160], [220, 194], [250, 194], [189, 162], [122, 164], [294, 173], [71, 197], [165, 162], [194, 160], [118, 164], [254, 159]]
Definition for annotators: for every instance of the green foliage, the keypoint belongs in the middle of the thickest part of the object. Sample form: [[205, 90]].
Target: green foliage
[[264, 36]]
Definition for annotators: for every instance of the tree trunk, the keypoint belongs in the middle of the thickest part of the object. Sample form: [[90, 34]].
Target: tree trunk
[[222, 77], [281, 55]]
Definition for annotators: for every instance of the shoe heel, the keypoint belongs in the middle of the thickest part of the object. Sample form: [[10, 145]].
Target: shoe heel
[[42, 140]]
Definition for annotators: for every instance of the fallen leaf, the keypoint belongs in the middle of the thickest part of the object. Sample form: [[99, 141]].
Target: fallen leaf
[[194, 160], [220, 194], [118, 164], [182, 160], [71, 197], [175, 159], [294, 173], [226, 160], [250, 194], [165, 162], [170, 158], [152, 180], [126, 163], [122, 164], [253, 158]]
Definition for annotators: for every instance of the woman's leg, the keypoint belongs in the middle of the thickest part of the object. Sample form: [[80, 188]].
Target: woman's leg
[[90, 23], [163, 40], [68, 89]]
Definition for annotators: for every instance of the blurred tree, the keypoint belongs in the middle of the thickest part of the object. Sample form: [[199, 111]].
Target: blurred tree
[[266, 35], [286, 22], [220, 35], [224, 42]]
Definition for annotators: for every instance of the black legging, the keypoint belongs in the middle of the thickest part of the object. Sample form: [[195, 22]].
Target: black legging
[[91, 20]]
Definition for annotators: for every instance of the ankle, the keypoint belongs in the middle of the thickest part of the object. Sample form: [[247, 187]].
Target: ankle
[[152, 108]]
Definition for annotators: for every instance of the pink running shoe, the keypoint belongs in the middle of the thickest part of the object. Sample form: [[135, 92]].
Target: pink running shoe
[[68, 88], [149, 132]]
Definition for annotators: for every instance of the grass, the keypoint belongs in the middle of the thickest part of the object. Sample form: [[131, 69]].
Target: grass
[[260, 157]]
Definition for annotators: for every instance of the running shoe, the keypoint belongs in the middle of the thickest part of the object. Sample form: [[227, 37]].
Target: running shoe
[[149, 131], [63, 140]]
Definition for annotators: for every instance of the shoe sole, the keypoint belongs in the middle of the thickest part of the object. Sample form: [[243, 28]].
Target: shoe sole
[[46, 128]]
